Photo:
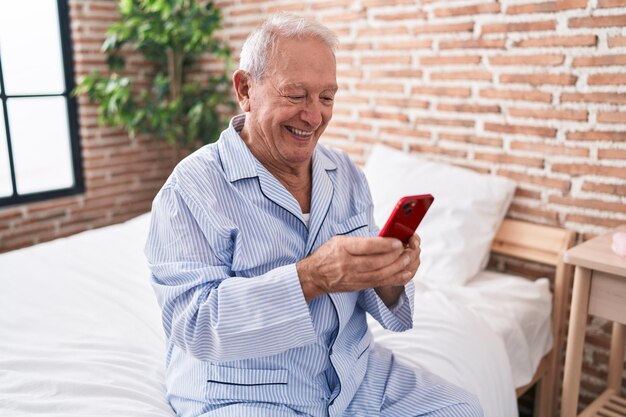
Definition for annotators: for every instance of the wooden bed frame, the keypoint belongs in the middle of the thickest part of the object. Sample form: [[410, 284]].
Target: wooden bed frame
[[545, 245]]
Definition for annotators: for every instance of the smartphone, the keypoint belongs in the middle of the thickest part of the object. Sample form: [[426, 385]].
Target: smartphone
[[406, 216]]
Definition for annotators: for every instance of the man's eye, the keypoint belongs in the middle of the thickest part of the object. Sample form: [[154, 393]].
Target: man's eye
[[328, 99], [295, 98]]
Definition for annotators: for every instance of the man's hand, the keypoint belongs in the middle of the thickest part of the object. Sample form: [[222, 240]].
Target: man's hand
[[356, 263]]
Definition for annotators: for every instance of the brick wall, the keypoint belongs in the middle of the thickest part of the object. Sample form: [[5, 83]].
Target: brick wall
[[531, 90], [122, 174], [534, 91]]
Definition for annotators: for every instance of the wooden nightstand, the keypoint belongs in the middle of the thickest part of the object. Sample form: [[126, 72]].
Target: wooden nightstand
[[599, 290]]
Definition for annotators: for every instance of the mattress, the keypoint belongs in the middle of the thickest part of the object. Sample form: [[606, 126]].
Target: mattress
[[80, 330], [487, 336]]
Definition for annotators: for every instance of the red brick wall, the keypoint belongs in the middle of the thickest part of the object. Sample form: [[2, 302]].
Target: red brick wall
[[534, 91], [122, 174]]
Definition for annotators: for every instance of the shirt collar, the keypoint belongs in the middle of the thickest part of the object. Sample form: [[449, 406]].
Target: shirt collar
[[238, 161]]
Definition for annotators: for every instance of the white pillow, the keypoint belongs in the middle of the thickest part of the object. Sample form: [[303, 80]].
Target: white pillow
[[458, 230]]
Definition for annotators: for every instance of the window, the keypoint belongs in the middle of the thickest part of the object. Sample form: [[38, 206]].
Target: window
[[39, 148]]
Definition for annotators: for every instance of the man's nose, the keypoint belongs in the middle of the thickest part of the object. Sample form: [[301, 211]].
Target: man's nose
[[312, 113]]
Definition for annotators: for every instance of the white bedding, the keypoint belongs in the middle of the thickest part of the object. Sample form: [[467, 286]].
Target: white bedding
[[487, 336], [515, 309], [80, 331]]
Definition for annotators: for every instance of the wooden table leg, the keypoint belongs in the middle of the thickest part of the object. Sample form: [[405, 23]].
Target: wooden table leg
[[575, 342], [616, 358]]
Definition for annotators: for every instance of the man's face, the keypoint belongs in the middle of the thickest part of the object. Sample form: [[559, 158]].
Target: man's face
[[292, 104]]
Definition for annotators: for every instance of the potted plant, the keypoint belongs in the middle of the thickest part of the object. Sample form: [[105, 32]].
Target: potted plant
[[170, 34]]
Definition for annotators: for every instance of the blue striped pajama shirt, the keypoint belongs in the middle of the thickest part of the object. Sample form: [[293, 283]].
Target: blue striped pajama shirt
[[224, 239]]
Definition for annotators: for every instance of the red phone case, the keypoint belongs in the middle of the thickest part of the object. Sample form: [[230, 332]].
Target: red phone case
[[406, 216]]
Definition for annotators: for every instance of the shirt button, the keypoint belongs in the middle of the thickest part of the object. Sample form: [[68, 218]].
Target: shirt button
[[330, 352], [331, 402]]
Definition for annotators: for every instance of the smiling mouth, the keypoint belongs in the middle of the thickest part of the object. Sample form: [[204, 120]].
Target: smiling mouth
[[299, 133]]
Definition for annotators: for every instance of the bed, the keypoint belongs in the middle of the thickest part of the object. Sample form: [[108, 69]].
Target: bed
[[80, 329]]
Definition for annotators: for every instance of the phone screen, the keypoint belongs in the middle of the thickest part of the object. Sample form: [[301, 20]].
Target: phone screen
[[406, 216]]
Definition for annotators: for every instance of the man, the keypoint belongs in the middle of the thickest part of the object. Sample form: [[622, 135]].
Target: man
[[264, 262]]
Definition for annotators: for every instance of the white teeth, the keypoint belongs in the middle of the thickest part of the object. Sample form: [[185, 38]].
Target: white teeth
[[299, 132]]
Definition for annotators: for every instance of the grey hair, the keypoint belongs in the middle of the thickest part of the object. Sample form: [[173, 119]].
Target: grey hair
[[260, 45]]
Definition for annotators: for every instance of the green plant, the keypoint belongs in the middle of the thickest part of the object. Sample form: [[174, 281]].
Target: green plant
[[170, 34]]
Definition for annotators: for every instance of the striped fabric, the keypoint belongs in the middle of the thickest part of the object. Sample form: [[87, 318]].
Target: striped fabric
[[224, 239]]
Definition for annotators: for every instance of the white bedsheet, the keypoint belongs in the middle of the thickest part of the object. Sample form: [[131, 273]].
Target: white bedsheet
[[487, 336], [80, 332], [452, 342], [517, 310]]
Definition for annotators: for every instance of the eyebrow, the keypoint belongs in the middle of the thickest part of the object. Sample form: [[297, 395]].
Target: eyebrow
[[332, 87]]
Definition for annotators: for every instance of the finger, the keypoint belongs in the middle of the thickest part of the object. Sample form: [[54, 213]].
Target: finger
[[371, 263], [414, 265], [400, 278], [403, 275], [370, 245], [414, 241], [397, 273], [411, 259], [413, 253], [397, 266]]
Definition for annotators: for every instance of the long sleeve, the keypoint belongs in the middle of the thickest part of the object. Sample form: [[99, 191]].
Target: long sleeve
[[207, 311], [222, 247], [397, 320]]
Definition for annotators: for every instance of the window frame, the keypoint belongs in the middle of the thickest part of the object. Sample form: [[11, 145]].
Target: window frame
[[72, 119]]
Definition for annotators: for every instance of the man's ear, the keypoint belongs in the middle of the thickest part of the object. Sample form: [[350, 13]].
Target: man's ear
[[242, 80]]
